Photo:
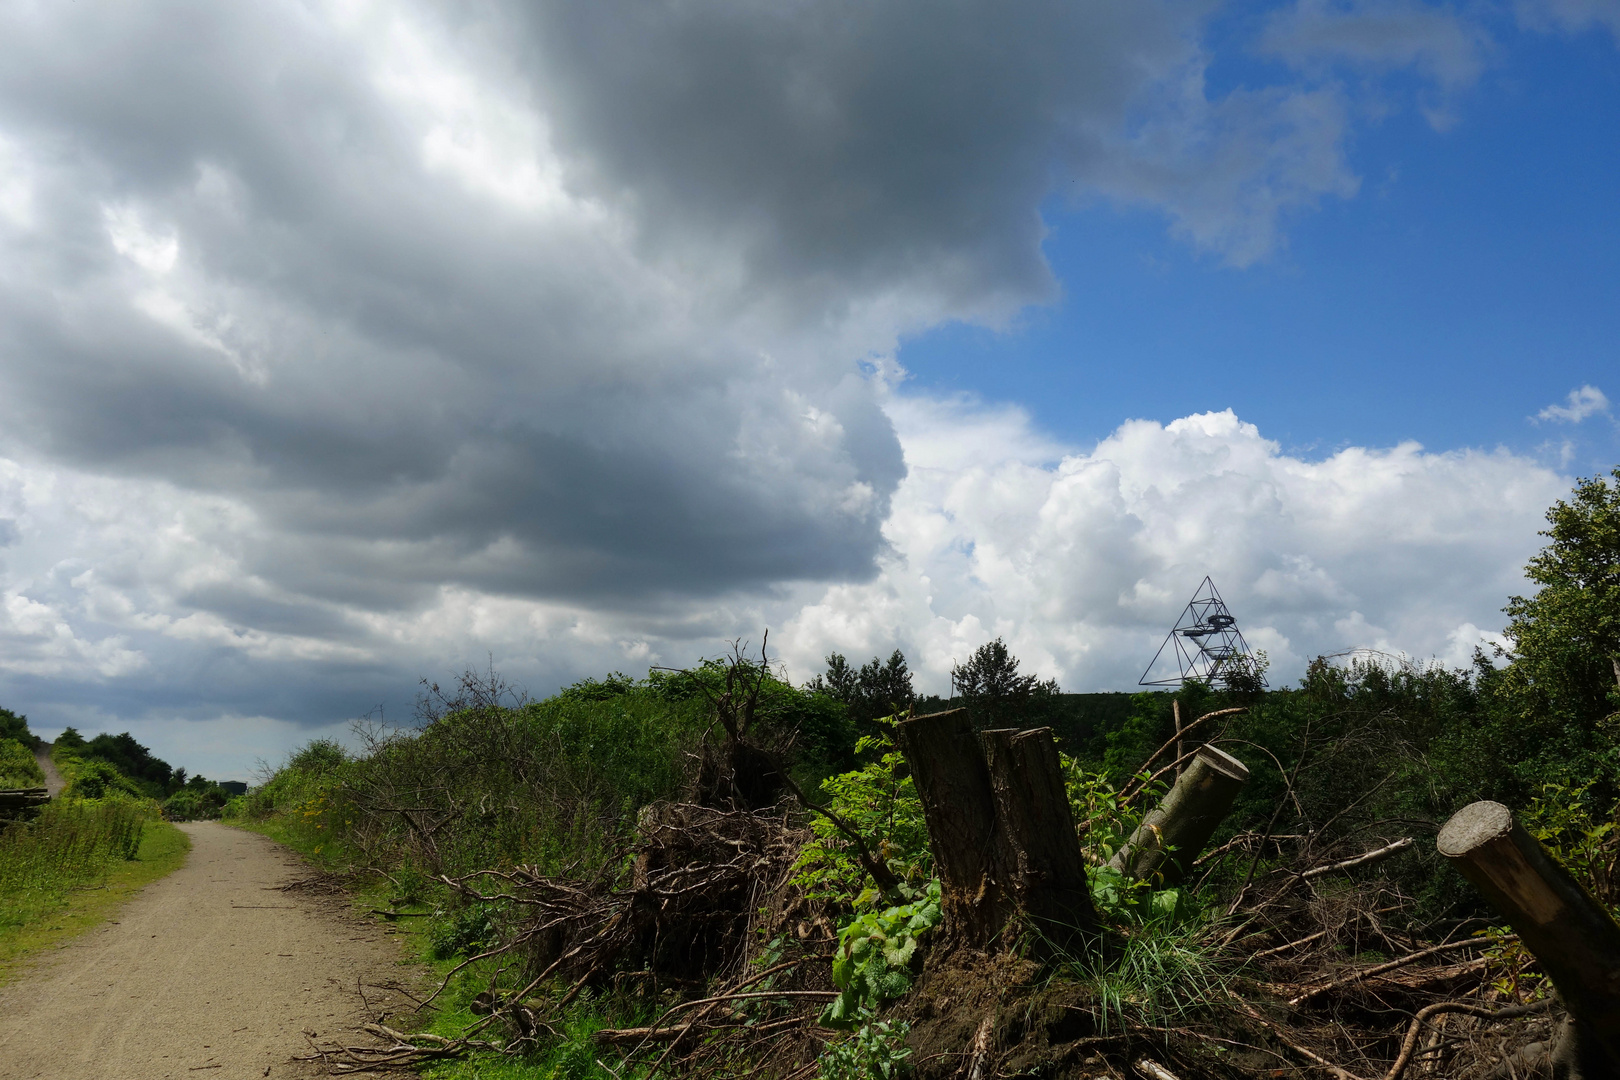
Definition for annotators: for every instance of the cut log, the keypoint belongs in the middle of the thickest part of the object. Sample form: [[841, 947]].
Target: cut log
[[1041, 847], [1573, 937], [20, 802], [1001, 831], [1170, 838]]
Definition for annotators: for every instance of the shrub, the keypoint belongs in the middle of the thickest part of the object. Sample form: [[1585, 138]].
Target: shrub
[[18, 769], [94, 779]]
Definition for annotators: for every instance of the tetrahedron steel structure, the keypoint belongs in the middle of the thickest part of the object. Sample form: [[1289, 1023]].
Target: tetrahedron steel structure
[[1205, 643]]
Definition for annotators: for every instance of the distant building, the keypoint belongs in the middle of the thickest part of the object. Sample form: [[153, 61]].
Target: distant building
[[233, 787]]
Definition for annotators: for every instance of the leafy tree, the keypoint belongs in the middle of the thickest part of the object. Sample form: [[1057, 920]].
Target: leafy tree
[[13, 726], [70, 740], [883, 688], [995, 694], [18, 769], [129, 757], [879, 689], [839, 681], [1565, 669]]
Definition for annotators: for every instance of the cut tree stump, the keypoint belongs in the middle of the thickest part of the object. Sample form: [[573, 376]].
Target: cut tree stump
[[1037, 834], [1173, 835], [1573, 937], [1001, 831]]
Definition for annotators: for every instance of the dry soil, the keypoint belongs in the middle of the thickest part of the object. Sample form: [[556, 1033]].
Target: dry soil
[[213, 972], [53, 779]]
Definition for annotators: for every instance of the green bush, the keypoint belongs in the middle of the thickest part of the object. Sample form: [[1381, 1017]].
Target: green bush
[[880, 801], [877, 957], [876, 1050], [18, 769], [205, 802], [14, 726], [468, 932], [94, 779]]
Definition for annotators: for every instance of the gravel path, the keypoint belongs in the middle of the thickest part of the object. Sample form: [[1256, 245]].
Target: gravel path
[[211, 972], [53, 779]]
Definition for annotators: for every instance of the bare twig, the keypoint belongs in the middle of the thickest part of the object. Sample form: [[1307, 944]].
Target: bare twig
[[1379, 969], [1409, 1044], [1309, 1055], [1360, 860]]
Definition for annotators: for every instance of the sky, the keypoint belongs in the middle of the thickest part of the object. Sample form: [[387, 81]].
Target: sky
[[346, 344]]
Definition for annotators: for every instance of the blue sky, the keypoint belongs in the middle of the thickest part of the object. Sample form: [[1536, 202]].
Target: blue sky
[[1472, 280], [345, 343]]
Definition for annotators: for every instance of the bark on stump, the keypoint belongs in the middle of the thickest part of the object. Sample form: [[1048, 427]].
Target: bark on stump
[[1174, 834], [1573, 937], [1001, 831]]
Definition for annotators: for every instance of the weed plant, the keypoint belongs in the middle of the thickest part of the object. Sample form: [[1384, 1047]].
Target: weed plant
[[71, 844]]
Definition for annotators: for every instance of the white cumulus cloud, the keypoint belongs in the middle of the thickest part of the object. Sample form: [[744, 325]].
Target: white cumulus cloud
[[1581, 403]]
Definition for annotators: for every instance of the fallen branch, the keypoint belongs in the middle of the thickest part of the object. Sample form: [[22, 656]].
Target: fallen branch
[[1133, 788], [1309, 1055], [1379, 969], [1293, 944], [1154, 1071], [1360, 860], [1409, 1045]]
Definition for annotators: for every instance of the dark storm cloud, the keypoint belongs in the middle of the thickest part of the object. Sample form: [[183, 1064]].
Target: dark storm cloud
[[375, 354], [339, 341], [871, 143]]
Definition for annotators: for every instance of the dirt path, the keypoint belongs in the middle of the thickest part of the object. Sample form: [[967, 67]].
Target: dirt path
[[53, 779], [211, 972]]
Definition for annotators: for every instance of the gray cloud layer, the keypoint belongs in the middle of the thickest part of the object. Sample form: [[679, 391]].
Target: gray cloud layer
[[340, 340]]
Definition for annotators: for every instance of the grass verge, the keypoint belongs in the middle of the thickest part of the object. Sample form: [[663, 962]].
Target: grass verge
[[574, 1058], [162, 851]]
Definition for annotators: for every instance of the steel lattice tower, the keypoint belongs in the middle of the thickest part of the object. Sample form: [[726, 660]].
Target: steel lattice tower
[[1206, 642]]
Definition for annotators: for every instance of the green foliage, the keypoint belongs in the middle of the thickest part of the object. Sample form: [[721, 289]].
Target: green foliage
[[877, 690], [319, 757], [1106, 819], [199, 800], [995, 695], [880, 801], [130, 758], [97, 779], [876, 1050], [466, 932], [71, 844], [1563, 684], [877, 957], [1164, 971], [1570, 823], [18, 769], [502, 780], [70, 741], [13, 726]]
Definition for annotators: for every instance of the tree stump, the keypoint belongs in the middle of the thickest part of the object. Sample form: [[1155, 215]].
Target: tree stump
[[1574, 938], [1037, 835], [1001, 831], [1173, 835]]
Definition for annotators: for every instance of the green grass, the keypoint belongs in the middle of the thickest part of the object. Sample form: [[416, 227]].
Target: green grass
[[29, 926]]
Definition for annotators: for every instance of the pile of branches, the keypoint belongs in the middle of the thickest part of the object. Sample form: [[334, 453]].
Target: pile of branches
[[707, 894], [1358, 991]]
